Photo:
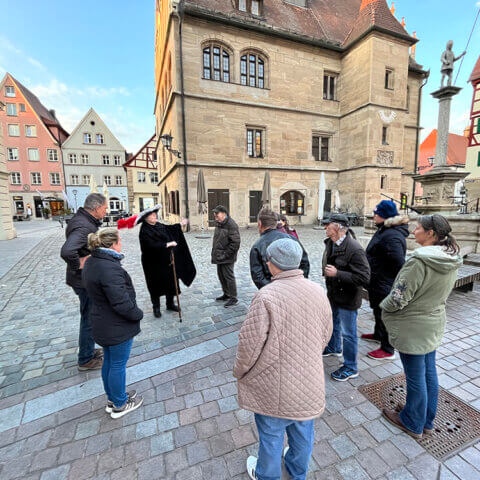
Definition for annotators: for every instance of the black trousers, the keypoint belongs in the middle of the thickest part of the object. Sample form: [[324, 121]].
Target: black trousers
[[380, 332], [156, 300], [227, 279]]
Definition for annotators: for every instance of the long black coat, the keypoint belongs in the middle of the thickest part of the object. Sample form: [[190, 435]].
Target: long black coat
[[350, 260], [386, 256], [226, 242], [156, 260], [114, 314], [75, 246]]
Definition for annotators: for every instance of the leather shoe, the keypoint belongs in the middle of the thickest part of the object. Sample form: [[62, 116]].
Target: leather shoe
[[93, 364], [222, 298], [172, 307], [156, 312], [392, 417], [231, 302]]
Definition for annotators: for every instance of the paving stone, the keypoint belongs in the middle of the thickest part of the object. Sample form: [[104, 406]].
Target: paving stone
[[111, 460], [337, 423], [215, 468], [176, 461], [87, 429], [154, 410], [14, 450], [236, 462], [226, 421], [189, 416], [184, 435], [209, 410], [146, 428], [400, 474], [72, 451], [221, 444], [17, 467], [244, 416], [167, 422], [324, 454], [343, 446], [83, 468], [362, 438], [191, 473], [378, 430], [229, 389], [124, 435], [462, 469], [472, 456], [151, 469], [129, 471], [243, 436], [198, 452], [391, 455], [424, 466], [372, 463], [174, 404], [183, 389], [98, 444], [207, 428], [193, 399], [407, 445], [45, 459], [353, 416], [227, 404], [58, 473], [351, 470], [211, 394], [161, 443]]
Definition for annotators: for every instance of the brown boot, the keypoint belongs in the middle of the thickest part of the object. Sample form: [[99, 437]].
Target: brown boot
[[426, 431], [98, 353], [93, 364], [392, 417]]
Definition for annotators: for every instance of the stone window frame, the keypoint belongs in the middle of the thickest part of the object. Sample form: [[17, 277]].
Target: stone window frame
[[87, 136], [116, 160], [15, 178], [106, 159], [85, 179], [84, 158], [153, 177], [22, 108], [141, 177], [10, 156], [255, 130], [74, 179], [55, 178], [11, 109], [72, 158], [36, 178], [107, 179], [385, 135], [249, 5], [9, 89], [383, 182], [33, 149], [52, 154], [33, 131], [389, 79], [261, 60], [224, 49], [297, 195], [17, 129], [100, 136], [323, 135], [329, 74], [118, 180]]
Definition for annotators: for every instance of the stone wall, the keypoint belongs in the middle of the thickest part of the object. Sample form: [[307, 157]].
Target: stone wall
[[7, 230]]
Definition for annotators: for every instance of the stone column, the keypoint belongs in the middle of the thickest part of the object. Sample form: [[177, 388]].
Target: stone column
[[444, 96]]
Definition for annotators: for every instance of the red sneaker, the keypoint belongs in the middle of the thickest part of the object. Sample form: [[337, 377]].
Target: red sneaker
[[369, 337], [381, 355]]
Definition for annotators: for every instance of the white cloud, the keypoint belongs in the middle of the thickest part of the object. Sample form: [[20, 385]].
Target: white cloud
[[35, 63]]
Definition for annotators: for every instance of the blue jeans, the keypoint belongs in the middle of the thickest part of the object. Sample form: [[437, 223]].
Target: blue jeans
[[345, 327], [271, 431], [86, 343], [114, 371], [422, 391]]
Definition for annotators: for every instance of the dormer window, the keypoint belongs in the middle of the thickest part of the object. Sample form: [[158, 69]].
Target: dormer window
[[250, 6]]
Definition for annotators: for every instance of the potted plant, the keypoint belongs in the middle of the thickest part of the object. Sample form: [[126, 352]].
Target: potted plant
[[46, 212]]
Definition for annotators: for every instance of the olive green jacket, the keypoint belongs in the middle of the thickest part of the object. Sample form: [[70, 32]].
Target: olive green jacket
[[414, 310]]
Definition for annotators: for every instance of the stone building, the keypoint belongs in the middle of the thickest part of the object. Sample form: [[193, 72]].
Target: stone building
[[32, 138], [7, 230], [295, 88], [142, 177], [472, 182], [92, 149]]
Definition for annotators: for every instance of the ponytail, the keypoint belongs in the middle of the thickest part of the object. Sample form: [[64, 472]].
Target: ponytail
[[450, 244], [105, 238]]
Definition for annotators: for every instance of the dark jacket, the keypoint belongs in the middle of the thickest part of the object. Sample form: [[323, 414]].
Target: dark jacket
[[386, 256], [226, 242], [259, 271], [75, 247], [114, 313], [350, 260], [156, 259]]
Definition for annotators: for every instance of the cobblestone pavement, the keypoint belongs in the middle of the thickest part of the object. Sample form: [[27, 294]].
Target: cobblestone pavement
[[190, 426]]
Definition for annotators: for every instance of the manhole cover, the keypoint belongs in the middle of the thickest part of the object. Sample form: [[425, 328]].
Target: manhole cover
[[457, 424]]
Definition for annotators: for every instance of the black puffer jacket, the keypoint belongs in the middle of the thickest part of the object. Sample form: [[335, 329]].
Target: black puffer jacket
[[75, 246], [386, 256], [114, 313], [259, 271], [226, 242], [350, 260]]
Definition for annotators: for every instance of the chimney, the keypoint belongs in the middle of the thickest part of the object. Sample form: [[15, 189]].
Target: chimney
[[52, 113], [466, 132]]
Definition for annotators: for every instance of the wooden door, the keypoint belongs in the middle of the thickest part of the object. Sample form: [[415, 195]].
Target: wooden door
[[255, 197], [217, 197]]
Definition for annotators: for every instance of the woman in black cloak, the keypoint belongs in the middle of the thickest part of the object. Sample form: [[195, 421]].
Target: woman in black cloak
[[156, 242]]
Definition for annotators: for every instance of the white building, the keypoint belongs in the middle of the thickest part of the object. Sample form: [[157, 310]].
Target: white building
[[92, 149]]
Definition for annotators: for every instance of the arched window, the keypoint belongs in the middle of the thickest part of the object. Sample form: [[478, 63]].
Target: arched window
[[216, 63], [252, 70], [292, 203]]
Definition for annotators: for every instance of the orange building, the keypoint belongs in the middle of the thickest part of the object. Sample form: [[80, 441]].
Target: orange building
[[456, 155], [32, 138]]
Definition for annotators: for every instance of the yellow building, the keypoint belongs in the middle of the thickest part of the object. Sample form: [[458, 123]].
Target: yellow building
[[472, 165], [294, 88], [142, 177]]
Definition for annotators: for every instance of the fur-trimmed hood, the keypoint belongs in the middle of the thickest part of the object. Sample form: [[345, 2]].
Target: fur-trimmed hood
[[395, 221]]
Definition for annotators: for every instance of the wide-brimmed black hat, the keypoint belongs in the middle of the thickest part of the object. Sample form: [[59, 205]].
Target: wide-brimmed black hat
[[143, 215], [339, 218]]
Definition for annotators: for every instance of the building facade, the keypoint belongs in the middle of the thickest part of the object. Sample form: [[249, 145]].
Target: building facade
[[142, 177], [33, 137], [7, 230], [472, 182], [93, 151], [241, 94]]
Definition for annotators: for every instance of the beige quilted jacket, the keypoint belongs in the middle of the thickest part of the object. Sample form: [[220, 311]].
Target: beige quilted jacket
[[279, 363]]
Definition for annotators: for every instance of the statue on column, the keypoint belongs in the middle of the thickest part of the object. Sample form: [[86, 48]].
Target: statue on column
[[448, 59]]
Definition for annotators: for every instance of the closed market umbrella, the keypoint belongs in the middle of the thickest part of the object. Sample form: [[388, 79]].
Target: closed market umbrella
[[337, 200], [321, 196], [106, 194], [92, 184], [202, 199], [266, 191]]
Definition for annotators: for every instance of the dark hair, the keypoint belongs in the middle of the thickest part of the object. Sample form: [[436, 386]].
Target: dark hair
[[268, 218], [442, 230]]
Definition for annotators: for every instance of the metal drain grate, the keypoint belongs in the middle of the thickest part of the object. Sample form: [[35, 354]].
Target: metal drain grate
[[457, 424]]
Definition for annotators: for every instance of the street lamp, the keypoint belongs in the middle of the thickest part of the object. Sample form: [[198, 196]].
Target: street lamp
[[74, 191], [167, 143]]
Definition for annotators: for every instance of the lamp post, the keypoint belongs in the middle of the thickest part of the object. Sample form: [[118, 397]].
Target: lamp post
[[75, 191]]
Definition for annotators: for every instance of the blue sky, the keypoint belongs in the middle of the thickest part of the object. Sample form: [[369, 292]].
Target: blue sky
[[75, 55]]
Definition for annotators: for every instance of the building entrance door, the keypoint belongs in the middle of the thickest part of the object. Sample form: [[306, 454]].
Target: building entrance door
[[217, 197], [255, 197], [56, 207], [38, 207]]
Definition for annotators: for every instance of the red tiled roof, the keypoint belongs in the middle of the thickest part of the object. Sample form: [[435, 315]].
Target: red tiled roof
[[475, 75], [337, 22]]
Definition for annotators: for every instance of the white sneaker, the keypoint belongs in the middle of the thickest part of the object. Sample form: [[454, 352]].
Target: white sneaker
[[109, 406], [285, 450], [131, 405], [251, 466]]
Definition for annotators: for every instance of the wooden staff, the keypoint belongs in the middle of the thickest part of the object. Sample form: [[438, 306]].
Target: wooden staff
[[172, 258]]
